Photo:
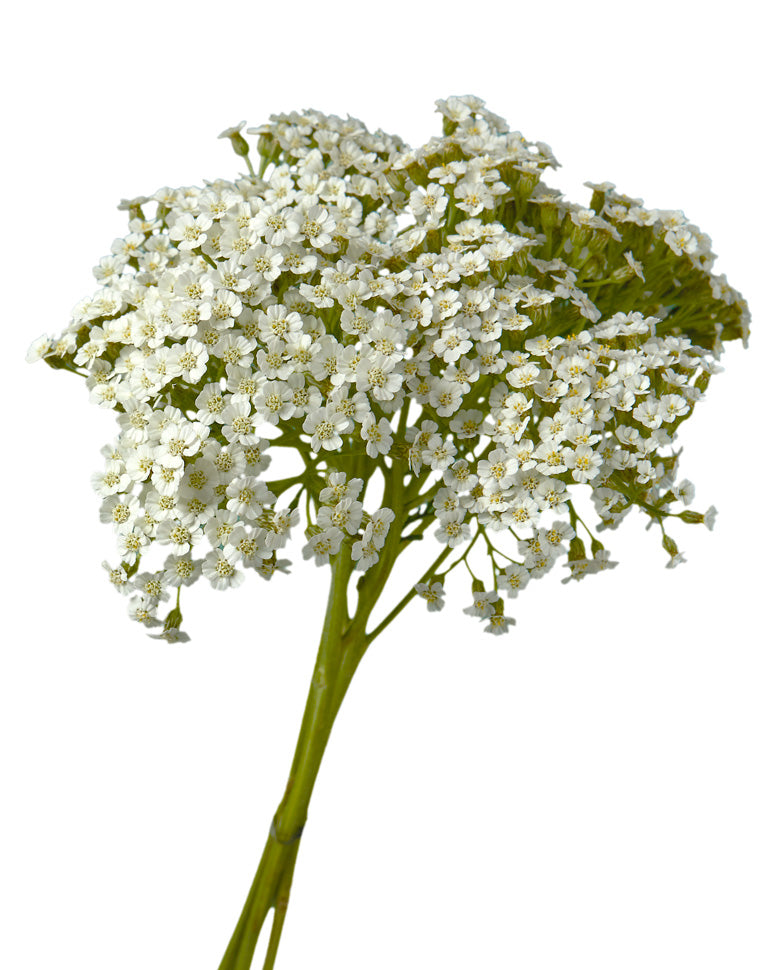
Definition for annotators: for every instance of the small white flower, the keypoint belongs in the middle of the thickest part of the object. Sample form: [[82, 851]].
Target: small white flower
[[675, 560], [497, 471], [583, 461], [483, 605], [339, 296], [433, 595], [377, 375], [439, 456], [143, 609], [246, 496], [237, 423], [340, 488], [499, 624], [378, 525], [220, 568], [673, 406], [452, 528], [274, 402], [121, 511], [685, 491], [325, 425], [473, 196], [278, 225], [681, 240], [112, 480], [365, 553], [445, 397], [513, 579], [323, 545], [118, 576], [191, 360], [429, 203], [190, 231], [179, 536], [377, 436], [317, 226], [39, 348]]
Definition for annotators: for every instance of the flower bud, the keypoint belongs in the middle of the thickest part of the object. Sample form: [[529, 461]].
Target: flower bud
[[693, 517], [239, 144], [702, 381], [670, 546], [174, 619], [597, 200], [576, 549], [526, 183]]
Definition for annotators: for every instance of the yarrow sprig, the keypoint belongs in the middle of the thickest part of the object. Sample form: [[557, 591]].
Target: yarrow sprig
[[439, 318]]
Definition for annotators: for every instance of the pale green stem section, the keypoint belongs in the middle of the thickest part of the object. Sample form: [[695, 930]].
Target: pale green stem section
[[272, 882]]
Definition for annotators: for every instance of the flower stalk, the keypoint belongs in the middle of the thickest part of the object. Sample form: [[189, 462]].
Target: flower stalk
[[272, 883]]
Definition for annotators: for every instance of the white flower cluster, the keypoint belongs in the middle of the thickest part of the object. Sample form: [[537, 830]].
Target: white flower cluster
[[437, 312]]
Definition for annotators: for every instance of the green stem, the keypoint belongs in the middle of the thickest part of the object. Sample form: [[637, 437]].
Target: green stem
[[281, 906], [272, 883]]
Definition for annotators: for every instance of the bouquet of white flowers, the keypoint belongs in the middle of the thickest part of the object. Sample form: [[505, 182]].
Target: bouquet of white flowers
[[436, 323]]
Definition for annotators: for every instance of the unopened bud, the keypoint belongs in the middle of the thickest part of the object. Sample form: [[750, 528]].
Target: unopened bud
[[174, 619], [239, 144], [670, 546], [549, 218], [693, 517], [597, 201], [576, 549], [702, 381], [526, 183], [623, 273]]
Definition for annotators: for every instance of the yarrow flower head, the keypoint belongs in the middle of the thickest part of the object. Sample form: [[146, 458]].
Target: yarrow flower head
[[439, 316]]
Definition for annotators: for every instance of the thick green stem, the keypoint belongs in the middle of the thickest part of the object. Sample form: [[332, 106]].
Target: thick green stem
[[270, 889], [272, 883], [281, 906]]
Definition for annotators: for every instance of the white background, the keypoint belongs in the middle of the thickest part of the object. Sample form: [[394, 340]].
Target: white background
[[595, 790]]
